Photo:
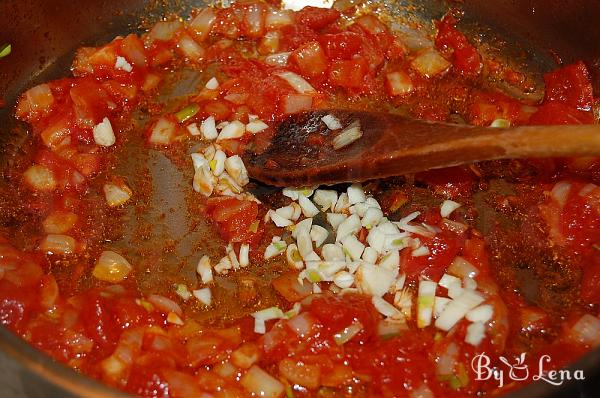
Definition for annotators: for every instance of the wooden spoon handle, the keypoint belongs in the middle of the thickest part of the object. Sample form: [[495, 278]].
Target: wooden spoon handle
[[393, 145]]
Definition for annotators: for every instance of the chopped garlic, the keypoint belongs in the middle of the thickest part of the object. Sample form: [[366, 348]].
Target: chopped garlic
[[244, 255], [256, 126], [233, 130], [122, 64], [212, 84], [326, 199], [103, 133], [331, 122], [293, 257], [205, 270], [308, 207], [448, 207], [203, 295], [318, 234], [208, 129], [237, 170], [116, 195], [332, 252], [193, 129]]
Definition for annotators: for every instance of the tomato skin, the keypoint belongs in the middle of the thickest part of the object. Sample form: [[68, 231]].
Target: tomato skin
[[555, 113], [466, 59], [317, 18], [97, 321]]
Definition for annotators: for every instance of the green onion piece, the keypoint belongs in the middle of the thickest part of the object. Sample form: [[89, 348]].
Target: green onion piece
[[313, 276], [254, 226], [280, 246], [5, 49], [187, 113], [289, 393], [501, 123], [346, 334]]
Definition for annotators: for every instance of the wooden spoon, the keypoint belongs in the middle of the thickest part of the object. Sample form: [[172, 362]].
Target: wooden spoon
[[302, 153]]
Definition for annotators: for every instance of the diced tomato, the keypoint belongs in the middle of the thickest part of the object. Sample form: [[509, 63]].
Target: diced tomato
[[253, 22], [442, 250], [488, 106], [234, 219], [295, 35], [228, 22], [133, 49], [90, 102], [466, 59], [16, 304], [98, 322], [337, 313], [557, 113], [349, 74], [344, 45], [317, 18], [146, 381], [218, 108], [288, 286], [570, 85], [310, 59], [452, 182]]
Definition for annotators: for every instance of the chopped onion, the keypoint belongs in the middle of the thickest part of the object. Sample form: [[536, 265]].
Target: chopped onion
[[342, 203], [303, 226], [203, 295], [244, 255], [462, 268], [246, 355], [59, 222], [122, 64], [318, 234], [335, 219], [457, 309], [163, 132], [346, 334], [425, 302], [182, 291], [208, 129], [204, 269], [403, 300], [302, 324], [560, 192], [277, 18], [103, 133], [164, 304], [217, 164], [349, 226], [279, 221], [279, 59], [111, 267], [58, 244], [35, 102], [203, 23], [483, 313], [331, 122], [262, 384], [391, 261], [430, 63], [420, 251], [40, 178], [294, 193], [293, 257], [164, 31], [439, 305], [374, 280], [347, 136], [304, 243], [386, 309], [332, 252], [326, 199], [372, 217], [586, 330], [117, 194], [370, 255], [308, 207], [256, 126], [297, 82], [275, 248], [356, 194], [237, 170], [193, 129], [475, 333], [399, 83], [448, 207], [343, 279], [294, 103], [353, 247], [212, 84], [233, 130]]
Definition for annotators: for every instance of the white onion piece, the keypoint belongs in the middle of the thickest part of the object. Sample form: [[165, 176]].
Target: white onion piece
[[262, 384], [308, 207], [275, 249], [343, 279], [430, 63], [278, 220], [318, 234], [447, 207], [475, 333], [208, 129], [348, 136], [356, 194], [278, 18], [111, 267], [190, 49], [332, 252], [293, 257], [205, 270], [294, 193], [256, 126], [399, 83], [462, 268], [370, 255], [237, 170], [374, 280], [279, 59], [244, 255], [295, 103], [349, 226], [164, 31], [353, 247], [233, 130], [116, 194], [164, 304], [58, 244], [372, 217], [212, 84], [457, 309], [326, 199], [203, 295], [439, 305], [163, 131], [203, 23], [303, 226], [40, 178], [483, 313], [586, 330], [297, 82], [304, 242], [391, 261], [335, 219], [560, 192], [386, 309], [331, 122]]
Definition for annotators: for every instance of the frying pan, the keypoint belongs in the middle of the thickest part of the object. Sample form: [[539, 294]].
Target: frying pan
[[44, 35]]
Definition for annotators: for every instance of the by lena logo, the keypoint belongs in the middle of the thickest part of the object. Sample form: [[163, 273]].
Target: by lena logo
[[520, 371]]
